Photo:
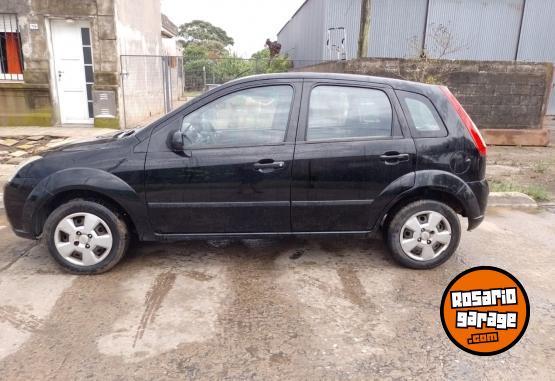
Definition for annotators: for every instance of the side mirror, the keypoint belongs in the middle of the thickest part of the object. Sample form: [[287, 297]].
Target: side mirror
[[178, 141]]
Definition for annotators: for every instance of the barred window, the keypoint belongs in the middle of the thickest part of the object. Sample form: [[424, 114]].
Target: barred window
[[11, 57]]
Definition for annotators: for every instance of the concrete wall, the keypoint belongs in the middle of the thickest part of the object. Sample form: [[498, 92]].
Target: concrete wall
[[139, 25], [499, 96]]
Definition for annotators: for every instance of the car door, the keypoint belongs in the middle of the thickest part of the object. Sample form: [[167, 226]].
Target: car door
[[234, 175], [350, 147]]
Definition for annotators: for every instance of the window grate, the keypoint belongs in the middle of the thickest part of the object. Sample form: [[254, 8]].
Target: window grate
[[11, 56]]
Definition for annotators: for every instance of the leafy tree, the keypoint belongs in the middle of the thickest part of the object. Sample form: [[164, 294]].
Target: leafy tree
[[265, 63], [207, 61], [198, 31]]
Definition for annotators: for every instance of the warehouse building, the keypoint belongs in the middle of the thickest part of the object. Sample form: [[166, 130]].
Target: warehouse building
[[483, 30]]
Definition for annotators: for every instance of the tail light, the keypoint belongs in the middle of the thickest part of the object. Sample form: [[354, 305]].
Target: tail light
[[479, 141]]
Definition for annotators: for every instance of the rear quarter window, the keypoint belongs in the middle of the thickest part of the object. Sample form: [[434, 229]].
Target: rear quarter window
[[424, 120]]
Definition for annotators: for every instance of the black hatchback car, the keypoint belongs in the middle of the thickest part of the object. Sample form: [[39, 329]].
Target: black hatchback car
[[266, 156]]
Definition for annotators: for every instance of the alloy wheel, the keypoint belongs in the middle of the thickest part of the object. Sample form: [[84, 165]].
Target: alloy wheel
[[83, 239], [425, 235]]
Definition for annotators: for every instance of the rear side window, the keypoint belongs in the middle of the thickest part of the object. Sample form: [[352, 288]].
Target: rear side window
[[337, 112], [422, 116]]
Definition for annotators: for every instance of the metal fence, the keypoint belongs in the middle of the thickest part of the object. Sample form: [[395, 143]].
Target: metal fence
[[203, 74], [151, 87], [155, 85]]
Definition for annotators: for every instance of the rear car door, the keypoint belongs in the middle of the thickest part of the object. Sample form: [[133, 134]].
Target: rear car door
[[235, 174], [351, 144]]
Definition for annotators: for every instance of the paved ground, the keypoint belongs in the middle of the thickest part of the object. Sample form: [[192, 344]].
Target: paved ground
[[283, 309]]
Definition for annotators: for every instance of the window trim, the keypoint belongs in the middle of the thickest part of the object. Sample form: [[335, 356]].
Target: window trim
[[416, 133], [395, 132], [253, 86], [9, 77]]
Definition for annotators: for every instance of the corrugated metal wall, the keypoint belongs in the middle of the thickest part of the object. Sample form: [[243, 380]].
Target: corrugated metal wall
[[345, 14], [537, 37], [480, 29], [303, 37], [402, 21]]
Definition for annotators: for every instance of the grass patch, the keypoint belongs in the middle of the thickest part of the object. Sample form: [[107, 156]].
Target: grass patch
[[537, 192], [540, 167]]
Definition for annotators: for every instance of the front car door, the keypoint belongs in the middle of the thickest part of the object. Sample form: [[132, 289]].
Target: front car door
[[235, 174], [350, 147]]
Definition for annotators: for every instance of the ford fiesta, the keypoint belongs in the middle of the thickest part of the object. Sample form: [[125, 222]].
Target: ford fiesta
[[266, 156]]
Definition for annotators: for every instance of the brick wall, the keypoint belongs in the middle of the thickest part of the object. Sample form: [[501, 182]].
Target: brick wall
[[497, 95]]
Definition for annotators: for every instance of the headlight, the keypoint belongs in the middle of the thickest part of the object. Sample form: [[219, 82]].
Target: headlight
[[22, 165]]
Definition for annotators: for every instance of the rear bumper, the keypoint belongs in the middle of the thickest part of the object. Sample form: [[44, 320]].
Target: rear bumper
[[481, 192]]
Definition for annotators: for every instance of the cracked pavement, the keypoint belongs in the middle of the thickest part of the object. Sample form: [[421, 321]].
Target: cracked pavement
[[266, 309]]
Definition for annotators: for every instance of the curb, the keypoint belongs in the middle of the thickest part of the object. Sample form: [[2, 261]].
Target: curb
[[510, 200]]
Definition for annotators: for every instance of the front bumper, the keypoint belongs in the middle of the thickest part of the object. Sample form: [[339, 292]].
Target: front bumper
[[15, 196]]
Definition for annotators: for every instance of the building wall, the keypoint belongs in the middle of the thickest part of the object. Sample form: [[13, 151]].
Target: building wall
[[536, 40], [346, 14], [496, 94], [139, 26], [480, 29], [303, 38], [486, 30], [402, 21], [33, 101]]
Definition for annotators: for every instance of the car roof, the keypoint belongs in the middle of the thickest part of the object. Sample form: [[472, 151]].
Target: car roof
[[394, 83]]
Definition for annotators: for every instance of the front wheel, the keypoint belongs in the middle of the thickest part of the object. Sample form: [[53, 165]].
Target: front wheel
[[85, 237], [423, 234]]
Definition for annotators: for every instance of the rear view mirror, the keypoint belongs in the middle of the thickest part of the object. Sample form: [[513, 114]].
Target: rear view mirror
[[178, 141]]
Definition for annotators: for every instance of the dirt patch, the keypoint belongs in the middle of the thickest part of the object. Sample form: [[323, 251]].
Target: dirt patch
[[530, 170]]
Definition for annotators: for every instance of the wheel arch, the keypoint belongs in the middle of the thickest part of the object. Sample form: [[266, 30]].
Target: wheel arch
[[438, 186], [98, 185]]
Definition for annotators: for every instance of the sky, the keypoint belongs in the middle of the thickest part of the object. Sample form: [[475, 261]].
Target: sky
[[248, 22]]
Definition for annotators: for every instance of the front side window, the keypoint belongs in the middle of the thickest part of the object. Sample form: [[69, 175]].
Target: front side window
[[11, 57], [249, 117], [337, 112]]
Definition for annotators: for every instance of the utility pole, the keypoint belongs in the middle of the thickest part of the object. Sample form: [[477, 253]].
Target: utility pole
[[364, 29]]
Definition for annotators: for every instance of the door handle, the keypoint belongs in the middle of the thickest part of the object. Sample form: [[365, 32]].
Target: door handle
[[392, 158], [268, 165]]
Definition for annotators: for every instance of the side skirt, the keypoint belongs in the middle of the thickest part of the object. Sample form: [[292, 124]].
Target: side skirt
[[187, 237]]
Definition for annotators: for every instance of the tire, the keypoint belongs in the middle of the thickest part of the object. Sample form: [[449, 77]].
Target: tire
[[85, 237], [432, 246]]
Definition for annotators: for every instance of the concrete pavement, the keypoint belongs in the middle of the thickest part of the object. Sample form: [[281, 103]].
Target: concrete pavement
[[67, 132], [267, 309]]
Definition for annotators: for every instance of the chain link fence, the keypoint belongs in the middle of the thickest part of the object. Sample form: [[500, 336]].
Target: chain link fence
[[204, 74], [155, 85]]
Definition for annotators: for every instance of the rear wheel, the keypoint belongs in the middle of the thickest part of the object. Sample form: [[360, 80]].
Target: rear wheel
[[423, 234], [85, 237]]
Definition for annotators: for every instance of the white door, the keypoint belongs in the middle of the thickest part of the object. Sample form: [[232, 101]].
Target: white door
[[73, 70]]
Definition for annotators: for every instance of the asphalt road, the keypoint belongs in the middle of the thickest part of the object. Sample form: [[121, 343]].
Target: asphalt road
[[267, 309]]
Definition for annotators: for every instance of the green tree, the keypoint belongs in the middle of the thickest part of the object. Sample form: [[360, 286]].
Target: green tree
[[264, 63], [198, 31]]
